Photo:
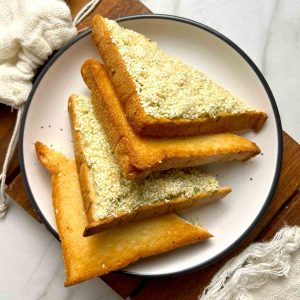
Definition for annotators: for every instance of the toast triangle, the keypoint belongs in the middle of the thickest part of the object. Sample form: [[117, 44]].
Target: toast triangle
[[161, 95]]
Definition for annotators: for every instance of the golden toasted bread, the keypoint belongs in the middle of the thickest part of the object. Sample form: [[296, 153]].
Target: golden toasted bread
[[88, 257], [163, 97], [139, 156], [110, 199]]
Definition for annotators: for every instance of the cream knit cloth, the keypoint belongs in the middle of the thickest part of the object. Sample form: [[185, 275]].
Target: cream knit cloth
[[269, 270], [30, 30]]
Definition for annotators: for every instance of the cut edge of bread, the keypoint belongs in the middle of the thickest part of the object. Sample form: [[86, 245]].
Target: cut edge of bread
[[114, 249], [138, 156], [158, 208], [146, 125]]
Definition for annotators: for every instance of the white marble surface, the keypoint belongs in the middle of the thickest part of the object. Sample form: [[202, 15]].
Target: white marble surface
[[31, 265]]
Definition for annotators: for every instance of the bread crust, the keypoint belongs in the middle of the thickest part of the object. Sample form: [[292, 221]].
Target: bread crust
[[111, 250], [138, 156], [146, 125], [158, 208]]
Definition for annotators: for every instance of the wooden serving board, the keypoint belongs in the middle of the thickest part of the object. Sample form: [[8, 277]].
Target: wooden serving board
[[284, 208]]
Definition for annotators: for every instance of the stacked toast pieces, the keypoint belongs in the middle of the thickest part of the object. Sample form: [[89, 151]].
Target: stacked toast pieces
[[139, 142]]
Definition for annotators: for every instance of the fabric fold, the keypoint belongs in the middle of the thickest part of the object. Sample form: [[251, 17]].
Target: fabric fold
[[260, 266], [30, 30]]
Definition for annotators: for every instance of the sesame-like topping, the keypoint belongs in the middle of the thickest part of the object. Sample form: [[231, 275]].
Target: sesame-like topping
[[168, 87], [113, 193]]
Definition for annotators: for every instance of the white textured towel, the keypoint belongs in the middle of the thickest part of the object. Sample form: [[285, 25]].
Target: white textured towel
[[269, 270], [30, 30]]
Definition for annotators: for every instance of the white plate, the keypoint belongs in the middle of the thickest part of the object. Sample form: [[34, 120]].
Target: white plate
[[253, 182]]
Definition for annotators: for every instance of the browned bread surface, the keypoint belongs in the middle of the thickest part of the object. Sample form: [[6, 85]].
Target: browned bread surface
[[139, 156], [88, 257], [147, 125], [145, 211]]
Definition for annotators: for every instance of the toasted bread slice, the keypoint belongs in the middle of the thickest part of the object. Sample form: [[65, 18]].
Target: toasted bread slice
[[162, 96], [109, 198], [139, 156], [88, 257]]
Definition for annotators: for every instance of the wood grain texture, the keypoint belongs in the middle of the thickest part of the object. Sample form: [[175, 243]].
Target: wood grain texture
[[7, 122], [123, 284], [16, 191], [290, 215], [108, 8], [190, 285]]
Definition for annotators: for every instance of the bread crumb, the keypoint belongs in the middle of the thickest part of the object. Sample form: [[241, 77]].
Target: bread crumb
[[113, 193], [168, 87]]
